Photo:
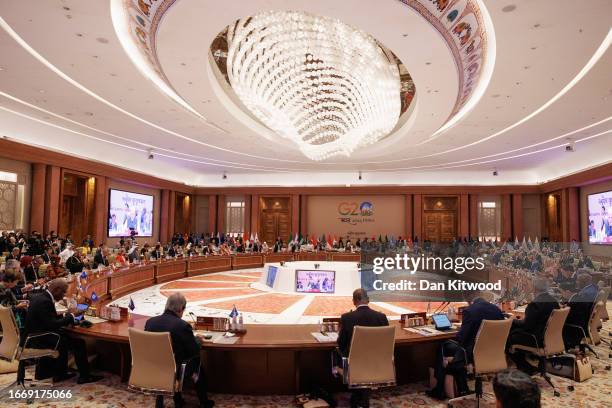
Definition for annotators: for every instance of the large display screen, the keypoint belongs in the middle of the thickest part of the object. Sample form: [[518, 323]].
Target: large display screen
[[315, 281], [129, 212], [600, 218]]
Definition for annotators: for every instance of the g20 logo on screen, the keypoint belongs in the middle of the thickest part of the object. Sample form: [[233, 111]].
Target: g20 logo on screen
[[355, 209]]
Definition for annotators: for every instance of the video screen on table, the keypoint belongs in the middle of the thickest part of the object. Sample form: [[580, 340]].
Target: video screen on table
[[315, 281], [599, 224], [129, 212], [271, 275]]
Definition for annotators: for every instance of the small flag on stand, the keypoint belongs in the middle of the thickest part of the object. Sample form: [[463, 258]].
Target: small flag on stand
[[83, 275], [94, 297], [234, 312], [131, 305]]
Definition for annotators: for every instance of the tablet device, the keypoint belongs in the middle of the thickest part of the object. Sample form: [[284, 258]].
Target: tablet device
[[81, 307], [441, 322]]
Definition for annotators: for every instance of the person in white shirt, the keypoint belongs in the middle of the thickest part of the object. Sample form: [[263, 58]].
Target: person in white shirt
[[66, 253]]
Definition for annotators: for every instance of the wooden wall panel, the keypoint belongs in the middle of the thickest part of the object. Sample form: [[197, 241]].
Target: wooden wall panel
[[573, 216], [304, 215], [464, 216], [295, 214], [517, 216], [473, 215], [37, 207], [247, 215], [171, 213], [417, 216], [212, 214], [255, 215], [101, 209], [52, 198], [506, 217], [221, 210], [408, 231], [164, 212]]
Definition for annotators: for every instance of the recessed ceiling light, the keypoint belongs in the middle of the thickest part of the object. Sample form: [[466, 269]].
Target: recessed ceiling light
[[41, 90], [509, 8], [102, 40]]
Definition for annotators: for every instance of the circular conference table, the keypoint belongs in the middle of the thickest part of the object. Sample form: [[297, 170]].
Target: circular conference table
[[269, 358]]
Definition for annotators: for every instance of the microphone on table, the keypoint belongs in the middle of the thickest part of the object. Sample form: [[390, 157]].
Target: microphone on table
[[442, 307], [193, 316]]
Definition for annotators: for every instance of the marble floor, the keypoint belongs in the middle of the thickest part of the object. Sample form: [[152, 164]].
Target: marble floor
[[215, 295]]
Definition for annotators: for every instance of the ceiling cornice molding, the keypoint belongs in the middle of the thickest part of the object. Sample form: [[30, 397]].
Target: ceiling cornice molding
[[19, 151], [582, 178], [22, 152], [368, 190]]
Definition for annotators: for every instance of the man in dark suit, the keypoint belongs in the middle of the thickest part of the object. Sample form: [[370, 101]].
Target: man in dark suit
[[185, 345], [42, 317], [530, 330], [100, 258], [46, 256], [461, 348], [74, 264], [157, 253], [361, 316], [581, 305]]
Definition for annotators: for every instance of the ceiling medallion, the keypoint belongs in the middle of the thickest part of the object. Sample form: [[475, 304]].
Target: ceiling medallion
[[316, 81]]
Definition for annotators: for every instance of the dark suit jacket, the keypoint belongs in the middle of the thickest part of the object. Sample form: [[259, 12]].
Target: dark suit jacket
[[42, 317], [99, 259], [536, 315], [473, 315], [580, 307], [184, 343], [362, 316]]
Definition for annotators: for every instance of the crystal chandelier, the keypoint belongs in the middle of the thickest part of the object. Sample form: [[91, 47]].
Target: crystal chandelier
[[326, 86]]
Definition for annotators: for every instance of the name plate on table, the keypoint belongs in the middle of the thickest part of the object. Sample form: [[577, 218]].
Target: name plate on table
[[212, 323], [112, 313]]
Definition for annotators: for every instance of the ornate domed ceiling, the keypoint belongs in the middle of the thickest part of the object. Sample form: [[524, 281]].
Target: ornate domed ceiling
[[483, 85]]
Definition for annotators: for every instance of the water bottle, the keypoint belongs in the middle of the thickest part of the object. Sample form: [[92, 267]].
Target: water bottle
[[240, 322]]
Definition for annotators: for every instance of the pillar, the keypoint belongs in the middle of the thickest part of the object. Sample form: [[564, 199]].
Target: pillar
[[37, 206], [52, 198], [517, 216]]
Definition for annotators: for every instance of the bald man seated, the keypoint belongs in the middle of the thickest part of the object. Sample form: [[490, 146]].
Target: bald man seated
[[42, 317]]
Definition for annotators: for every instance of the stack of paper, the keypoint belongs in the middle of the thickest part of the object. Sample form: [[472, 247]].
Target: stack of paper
[[330, 337], [225, 340], [424, 331]]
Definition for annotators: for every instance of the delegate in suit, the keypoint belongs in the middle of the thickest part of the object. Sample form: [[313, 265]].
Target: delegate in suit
[[185, 345]]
